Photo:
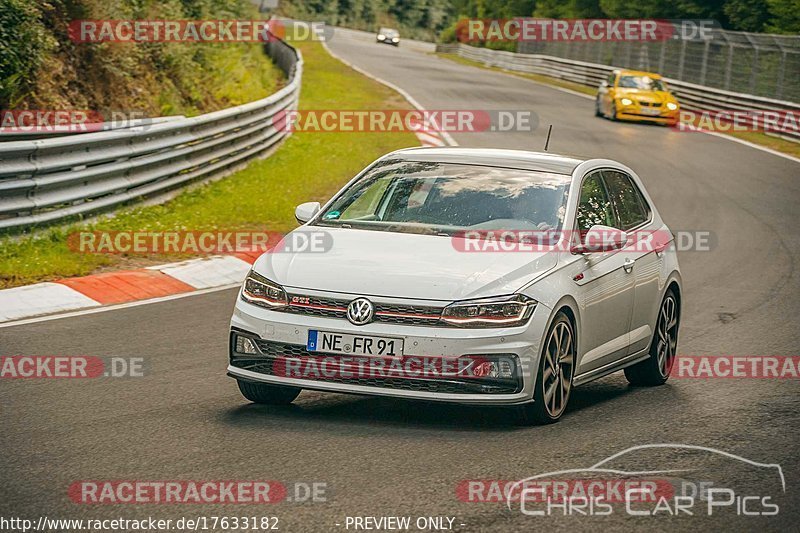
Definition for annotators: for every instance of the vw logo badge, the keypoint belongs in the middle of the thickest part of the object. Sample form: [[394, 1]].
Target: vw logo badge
[[360, 311]]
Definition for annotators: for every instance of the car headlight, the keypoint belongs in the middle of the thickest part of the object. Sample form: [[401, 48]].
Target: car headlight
[[381, 37], [504, 311], [672, 106], [258, 290], [395, 40], [626, 101]]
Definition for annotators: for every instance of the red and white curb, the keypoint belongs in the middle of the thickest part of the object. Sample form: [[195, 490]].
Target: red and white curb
[[123, 286]]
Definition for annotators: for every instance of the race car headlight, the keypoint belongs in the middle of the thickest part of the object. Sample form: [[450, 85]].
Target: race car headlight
[[395, 40], [672, 106], [258, 290], [626, 101], [381, 37], [504, 311]]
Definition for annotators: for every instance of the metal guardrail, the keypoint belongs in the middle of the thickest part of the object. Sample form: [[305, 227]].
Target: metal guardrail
[[692, 97], [760, 64], [47, 180]]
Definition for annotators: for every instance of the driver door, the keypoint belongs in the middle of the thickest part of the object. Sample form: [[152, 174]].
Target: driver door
[[606, 287]]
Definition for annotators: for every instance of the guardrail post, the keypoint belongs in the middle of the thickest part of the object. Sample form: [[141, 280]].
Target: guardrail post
[[729, 66], [682, 59], [704, 63], [781, 74], [754, 71]]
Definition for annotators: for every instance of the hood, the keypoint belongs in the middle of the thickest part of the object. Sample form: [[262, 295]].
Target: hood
[[647, 96], [401, 265]]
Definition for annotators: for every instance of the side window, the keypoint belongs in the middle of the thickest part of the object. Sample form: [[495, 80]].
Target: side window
[[595, 206], [631, 207]]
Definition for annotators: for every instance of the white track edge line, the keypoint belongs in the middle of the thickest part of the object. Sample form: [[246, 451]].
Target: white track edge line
[[447, 137]]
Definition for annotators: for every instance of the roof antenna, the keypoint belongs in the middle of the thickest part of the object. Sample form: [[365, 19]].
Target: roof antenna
[[547, 142]]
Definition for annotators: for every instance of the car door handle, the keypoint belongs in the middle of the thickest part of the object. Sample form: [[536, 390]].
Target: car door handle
[[628, 265]]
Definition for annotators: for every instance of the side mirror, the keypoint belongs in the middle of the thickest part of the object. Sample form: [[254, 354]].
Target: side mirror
[[604, 84], [601, 239], [305, 212]]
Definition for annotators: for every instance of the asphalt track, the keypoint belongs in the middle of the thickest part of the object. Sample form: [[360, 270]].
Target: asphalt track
[[186, 420]]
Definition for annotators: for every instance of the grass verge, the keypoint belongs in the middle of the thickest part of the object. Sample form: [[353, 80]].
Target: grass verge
[[755, 137], [309, 166]]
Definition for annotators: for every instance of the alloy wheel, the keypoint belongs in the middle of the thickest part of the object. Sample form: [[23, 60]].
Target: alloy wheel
[[557, 369], [667, 331]]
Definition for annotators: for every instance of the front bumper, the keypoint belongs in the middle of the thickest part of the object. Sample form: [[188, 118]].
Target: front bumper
[[634, 113], [286, 332]]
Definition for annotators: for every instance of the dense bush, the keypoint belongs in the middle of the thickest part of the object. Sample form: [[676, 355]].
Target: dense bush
[[24, 43], [43, 68]]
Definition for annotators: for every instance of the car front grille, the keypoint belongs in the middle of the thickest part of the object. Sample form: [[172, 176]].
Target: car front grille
[[416, 315], [274, 354], [649, 104]]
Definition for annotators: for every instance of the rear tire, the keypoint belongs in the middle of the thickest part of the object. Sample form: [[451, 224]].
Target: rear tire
[[655, 370], [262, 393], [554, 380]]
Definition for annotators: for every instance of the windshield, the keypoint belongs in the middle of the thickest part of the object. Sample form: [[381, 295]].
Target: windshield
[[388, 32], [428, 197], [645, 83]]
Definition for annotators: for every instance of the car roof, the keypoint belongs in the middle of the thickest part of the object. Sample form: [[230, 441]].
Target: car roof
[[639, 73], [492, 157]]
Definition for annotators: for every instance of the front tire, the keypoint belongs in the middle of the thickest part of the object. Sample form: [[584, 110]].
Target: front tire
[[554, 379], [597, 111], [264, 394], [613, 116], [655, 370]]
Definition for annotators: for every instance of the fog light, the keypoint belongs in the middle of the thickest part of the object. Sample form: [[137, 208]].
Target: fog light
[[501, 369], [506, 368], [245, 345], [486, 370]]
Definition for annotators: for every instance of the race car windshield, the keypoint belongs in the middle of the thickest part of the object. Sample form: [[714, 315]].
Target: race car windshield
[[645, 83], [429, 197]]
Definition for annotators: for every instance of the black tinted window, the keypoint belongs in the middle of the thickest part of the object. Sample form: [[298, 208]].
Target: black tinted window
[[627, 199], [595, 207]]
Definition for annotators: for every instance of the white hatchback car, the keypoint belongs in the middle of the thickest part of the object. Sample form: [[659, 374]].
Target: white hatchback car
[[477, 276]]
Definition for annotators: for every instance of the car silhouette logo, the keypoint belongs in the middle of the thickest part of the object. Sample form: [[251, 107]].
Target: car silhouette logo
[[360, 311]]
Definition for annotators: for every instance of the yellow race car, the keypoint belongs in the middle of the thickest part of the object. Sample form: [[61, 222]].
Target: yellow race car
[[638, 96]]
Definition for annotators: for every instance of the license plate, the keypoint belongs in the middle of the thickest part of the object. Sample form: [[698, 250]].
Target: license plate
[[343, 343], [651, 111]]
